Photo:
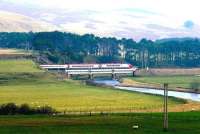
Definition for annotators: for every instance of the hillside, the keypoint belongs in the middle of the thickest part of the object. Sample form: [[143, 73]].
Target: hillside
[[18, 66], [13, 22]]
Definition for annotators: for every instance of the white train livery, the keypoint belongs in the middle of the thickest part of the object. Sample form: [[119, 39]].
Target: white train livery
[[88, 66], [81, 69]]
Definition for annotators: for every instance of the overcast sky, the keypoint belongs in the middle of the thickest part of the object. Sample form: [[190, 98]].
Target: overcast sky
[[152, 19]]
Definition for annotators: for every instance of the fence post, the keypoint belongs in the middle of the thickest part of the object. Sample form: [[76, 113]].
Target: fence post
[[165, 110]]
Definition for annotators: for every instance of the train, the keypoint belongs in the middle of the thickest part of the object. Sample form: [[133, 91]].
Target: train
[[91, 69], [89, 66]]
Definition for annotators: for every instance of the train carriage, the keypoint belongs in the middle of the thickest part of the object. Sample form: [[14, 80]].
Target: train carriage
[[110, 68]]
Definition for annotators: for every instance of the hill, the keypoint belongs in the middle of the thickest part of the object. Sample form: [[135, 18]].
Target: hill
[[13, 22]]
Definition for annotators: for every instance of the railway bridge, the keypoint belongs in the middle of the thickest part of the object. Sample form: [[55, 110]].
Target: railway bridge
[[92, 69]]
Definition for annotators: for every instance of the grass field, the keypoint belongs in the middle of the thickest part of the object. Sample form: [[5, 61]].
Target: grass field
[[40, 89], [173, 81], [21, 85], [16, 66], [179, 123], [26, 83]]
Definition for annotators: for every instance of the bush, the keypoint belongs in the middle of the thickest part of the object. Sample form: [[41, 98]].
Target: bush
[[45, 110], [25, 109], [8, 109]]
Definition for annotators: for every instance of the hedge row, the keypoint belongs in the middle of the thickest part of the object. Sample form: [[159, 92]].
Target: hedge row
[[24, 109]]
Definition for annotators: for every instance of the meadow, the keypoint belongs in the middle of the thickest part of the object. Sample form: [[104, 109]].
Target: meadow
[[18, 66], [43, 89], [111, 108], [26, 83], [149, 123]]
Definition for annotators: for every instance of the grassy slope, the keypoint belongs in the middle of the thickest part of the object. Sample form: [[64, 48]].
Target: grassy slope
[[18, 66], [174, 81], [179, 123]]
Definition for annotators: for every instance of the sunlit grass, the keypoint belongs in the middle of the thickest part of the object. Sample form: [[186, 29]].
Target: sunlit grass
[[23, 82], [173, 81], [73, 96], [12, 66]]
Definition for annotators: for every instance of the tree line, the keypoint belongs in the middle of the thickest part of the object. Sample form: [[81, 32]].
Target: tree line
[[64, 48]]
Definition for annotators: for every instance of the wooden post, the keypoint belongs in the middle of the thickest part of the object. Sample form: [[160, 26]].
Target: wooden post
[[165, 110]]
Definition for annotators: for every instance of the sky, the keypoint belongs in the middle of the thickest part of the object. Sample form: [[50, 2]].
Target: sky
[[137, 19]]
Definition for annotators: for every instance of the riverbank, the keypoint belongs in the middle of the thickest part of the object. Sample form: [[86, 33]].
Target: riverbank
[[176, 83], [191, 100], [168, 72]]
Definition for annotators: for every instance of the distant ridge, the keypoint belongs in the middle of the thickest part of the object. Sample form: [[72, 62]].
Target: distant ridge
[[13, 22], [177, 39]]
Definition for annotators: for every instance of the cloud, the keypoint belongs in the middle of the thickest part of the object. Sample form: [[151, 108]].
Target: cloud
[[128, 18], [90, 26], [139, 10], [159, 27]]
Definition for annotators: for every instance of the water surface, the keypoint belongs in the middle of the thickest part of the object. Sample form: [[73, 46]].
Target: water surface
[[177, 94]]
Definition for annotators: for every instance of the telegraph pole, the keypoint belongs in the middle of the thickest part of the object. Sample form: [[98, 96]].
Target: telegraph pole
[[165, 110]]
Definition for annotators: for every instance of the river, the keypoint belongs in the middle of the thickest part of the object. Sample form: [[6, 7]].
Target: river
[[183, 95]]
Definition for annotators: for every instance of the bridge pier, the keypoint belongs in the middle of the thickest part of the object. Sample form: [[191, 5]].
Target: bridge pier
[[90, 76], [113, 76], [69, 76], [133, 74]]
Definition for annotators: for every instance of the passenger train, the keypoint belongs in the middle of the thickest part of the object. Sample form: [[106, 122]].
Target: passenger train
[[89, 66]]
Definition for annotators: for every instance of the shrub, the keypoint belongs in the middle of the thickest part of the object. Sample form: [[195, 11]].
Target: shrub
[[46, 110], [8, 109], [25, 109]]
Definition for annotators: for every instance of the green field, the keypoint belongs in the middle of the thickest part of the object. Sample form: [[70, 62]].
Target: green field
[[26, 83], [44, 89], [179, 123], [18, 66], [41, 88], [173, 81]]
